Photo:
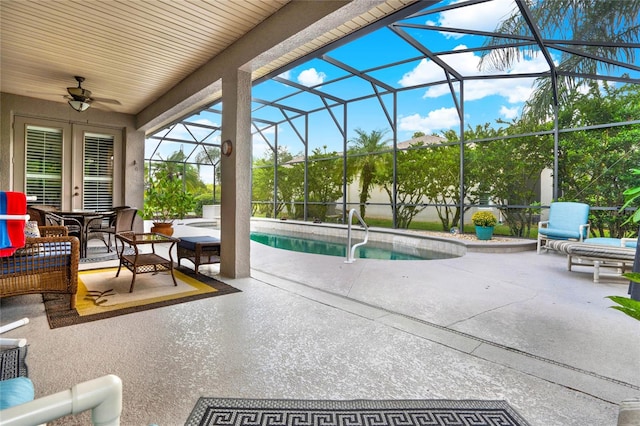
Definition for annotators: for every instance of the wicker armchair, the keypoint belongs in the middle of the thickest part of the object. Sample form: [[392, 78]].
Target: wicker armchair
[[48, 264]]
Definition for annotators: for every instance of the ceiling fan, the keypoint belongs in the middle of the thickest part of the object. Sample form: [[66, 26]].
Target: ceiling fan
[[80, 98]]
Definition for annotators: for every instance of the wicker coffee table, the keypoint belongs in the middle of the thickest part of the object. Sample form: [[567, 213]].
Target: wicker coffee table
[[140, 263]]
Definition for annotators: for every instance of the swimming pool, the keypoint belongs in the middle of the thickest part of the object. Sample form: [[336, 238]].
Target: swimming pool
[[339, 248]]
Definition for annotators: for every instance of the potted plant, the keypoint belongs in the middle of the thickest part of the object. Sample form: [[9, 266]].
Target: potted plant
[[627, 305], [164, 201], [484, 221]]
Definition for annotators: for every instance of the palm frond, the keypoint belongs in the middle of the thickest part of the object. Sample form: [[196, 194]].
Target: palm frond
[[614, 22]]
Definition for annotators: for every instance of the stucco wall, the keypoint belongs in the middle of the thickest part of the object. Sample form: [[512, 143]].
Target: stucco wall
[[130, 169]]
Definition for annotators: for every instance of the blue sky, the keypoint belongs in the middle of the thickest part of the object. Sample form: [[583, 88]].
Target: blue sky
[[429, 110]]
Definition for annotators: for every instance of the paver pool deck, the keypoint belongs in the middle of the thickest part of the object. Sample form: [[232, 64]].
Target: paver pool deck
[[513, 326]]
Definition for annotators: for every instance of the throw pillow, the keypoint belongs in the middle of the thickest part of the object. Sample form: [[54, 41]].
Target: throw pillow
[[31, 230]]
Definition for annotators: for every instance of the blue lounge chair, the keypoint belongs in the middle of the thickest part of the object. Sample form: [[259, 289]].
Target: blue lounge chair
[[567, 221]]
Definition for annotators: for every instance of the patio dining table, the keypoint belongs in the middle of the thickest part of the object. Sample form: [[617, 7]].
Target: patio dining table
[[85, 217]]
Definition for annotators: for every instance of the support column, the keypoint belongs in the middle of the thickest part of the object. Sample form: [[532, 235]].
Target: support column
[[235, 212]]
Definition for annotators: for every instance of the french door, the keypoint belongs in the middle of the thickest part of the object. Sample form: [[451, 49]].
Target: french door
[[68, 165]]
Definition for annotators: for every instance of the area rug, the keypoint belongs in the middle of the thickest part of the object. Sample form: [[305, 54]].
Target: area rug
[[101, 254], [103, 295], [272, 412]]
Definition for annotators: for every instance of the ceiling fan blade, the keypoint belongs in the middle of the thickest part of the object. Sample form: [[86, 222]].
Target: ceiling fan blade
[[71, 98], [34, 92], [106, 101]]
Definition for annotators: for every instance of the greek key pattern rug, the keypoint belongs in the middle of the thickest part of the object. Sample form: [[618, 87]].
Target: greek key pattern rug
[[276, 412]]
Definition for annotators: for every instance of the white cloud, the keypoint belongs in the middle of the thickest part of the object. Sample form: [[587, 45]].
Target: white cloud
[[286, 75], [259, 148], [509, 113], [515, 91], [426, 71], [466, 63], [311, 77], [481, 16], [443, 118], [271, 130]]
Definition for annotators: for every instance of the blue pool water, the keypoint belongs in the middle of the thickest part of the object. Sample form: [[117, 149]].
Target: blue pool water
[[368, 251]]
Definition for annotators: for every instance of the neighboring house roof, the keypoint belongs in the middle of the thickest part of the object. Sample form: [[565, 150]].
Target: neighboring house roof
[[423, 140]]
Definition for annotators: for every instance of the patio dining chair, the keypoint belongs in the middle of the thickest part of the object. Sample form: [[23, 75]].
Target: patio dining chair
[[567, 221], [101, 228], [73, 225], [38, 212], [123, 223]]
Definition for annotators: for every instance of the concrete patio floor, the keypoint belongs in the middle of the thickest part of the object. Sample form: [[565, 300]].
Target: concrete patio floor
[[514, 326]]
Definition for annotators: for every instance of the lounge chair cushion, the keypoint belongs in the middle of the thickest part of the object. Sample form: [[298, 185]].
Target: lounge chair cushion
[[614, 242], [565, 219], [594, 251], [559, 233], [15, 391]]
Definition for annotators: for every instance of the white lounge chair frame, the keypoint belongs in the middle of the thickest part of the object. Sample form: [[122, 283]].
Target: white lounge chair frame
[[102, 395], [597, 255]]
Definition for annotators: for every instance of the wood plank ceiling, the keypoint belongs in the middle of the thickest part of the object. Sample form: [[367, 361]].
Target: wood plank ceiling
[[131, 52]]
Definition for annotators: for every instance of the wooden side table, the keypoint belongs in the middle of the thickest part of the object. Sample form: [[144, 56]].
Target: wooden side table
[[203, 250], [140, 263]]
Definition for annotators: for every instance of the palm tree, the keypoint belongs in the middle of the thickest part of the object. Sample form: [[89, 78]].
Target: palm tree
[[175, 166], [608, 32], [365, 147]]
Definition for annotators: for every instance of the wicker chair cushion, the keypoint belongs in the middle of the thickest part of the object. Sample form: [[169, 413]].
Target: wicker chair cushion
[[190, 243], [45, 257]]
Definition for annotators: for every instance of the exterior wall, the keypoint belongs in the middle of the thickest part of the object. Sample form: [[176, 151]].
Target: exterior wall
[[546, 192], [128, 171], [378, 195]]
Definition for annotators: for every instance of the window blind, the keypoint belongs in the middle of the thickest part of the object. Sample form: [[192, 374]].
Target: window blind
[[98, 172], [44, 165]]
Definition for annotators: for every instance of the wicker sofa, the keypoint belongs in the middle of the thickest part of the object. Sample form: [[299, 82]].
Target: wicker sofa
[[48, 264]]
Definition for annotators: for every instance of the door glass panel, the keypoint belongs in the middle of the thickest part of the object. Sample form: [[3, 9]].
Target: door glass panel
[[98, 172], [44, 165]]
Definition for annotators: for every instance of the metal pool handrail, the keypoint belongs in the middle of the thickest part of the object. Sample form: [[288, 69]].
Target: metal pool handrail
[[352, 250]]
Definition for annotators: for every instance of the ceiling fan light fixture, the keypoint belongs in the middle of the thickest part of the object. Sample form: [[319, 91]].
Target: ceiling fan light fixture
[[79, 105], [79, 92]]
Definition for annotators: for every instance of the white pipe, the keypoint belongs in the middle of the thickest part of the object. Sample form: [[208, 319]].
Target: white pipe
[[102, 395], [13, 325], [6, 341], [629, 412], [24, 217]]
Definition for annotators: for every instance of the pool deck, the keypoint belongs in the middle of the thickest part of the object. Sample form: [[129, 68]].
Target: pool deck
[[514, 326]]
